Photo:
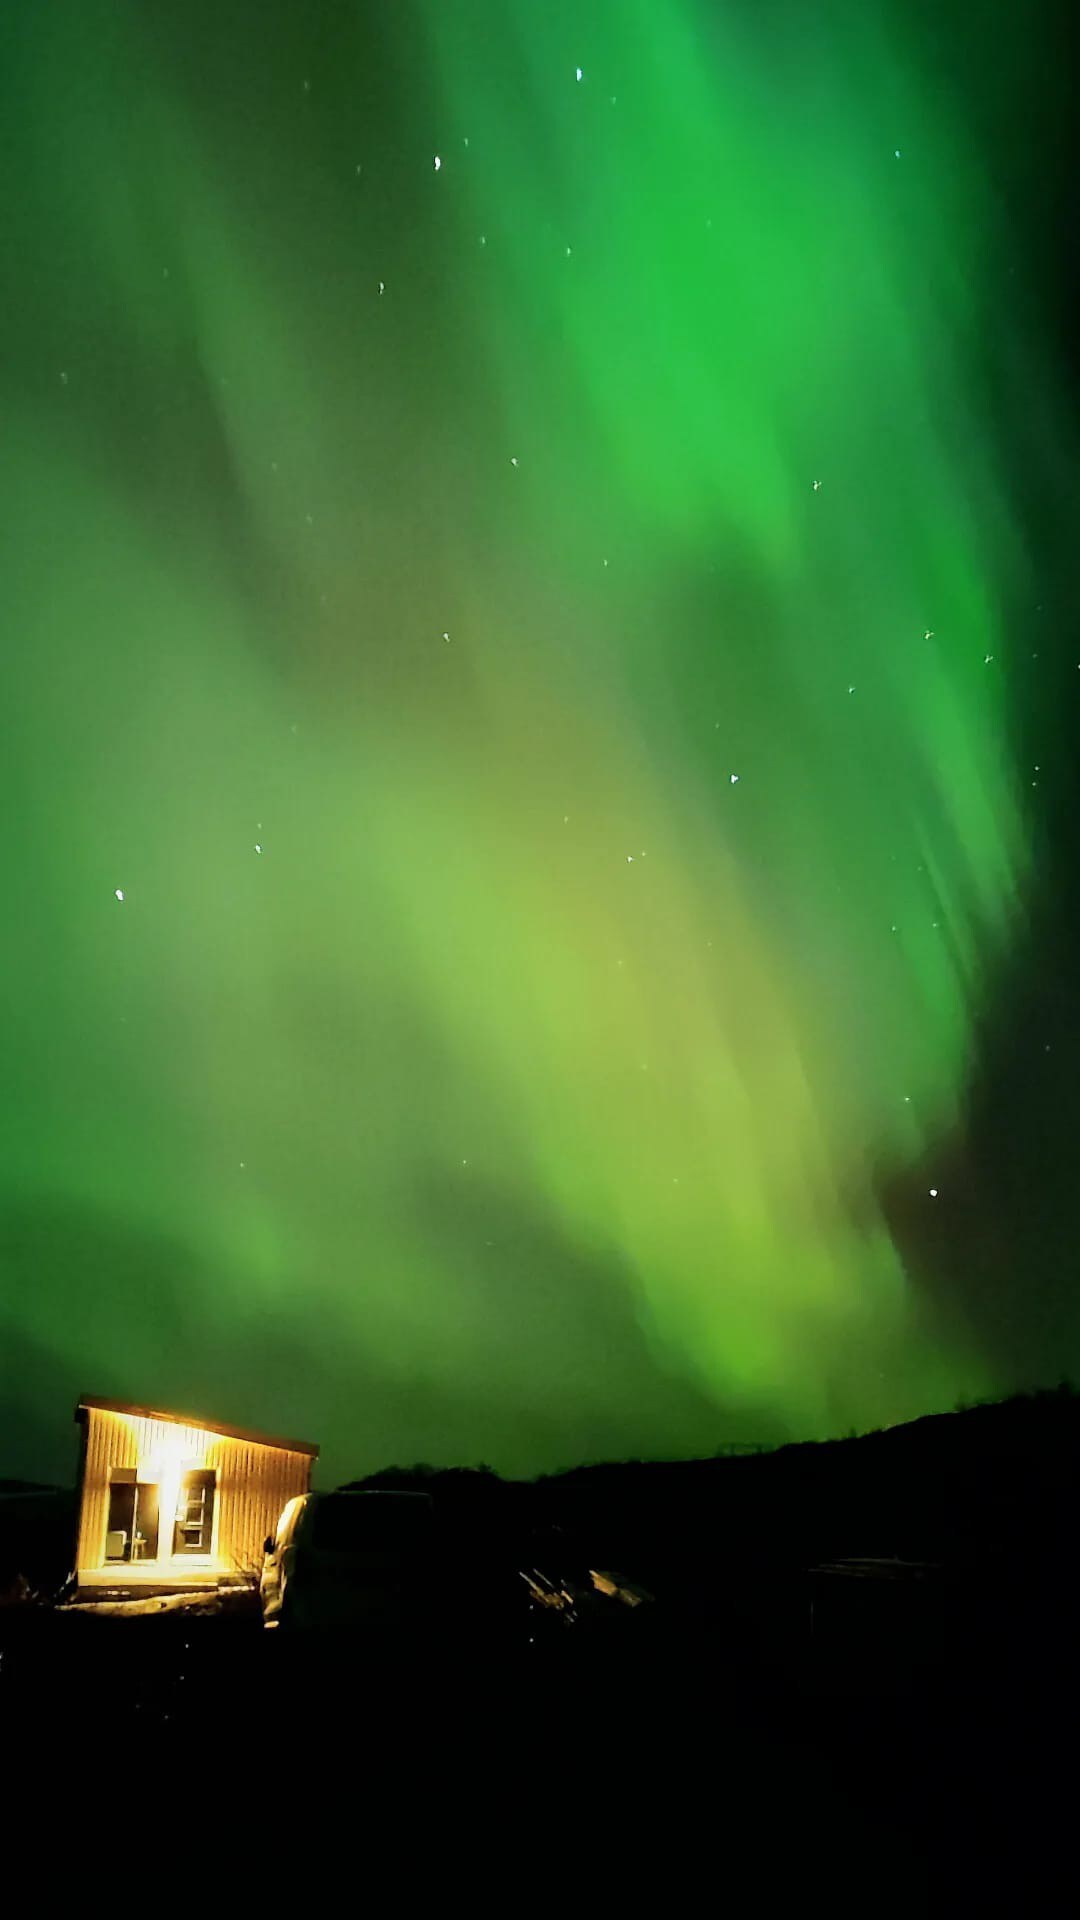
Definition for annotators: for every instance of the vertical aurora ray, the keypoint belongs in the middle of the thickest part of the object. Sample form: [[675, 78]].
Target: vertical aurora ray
[[743, 323], [637, 824]]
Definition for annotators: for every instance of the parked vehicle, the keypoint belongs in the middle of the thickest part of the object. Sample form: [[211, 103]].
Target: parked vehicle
[[352, 1559]]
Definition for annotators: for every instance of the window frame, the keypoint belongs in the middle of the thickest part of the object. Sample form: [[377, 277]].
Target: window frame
[[128, 1479], [205, 1550]]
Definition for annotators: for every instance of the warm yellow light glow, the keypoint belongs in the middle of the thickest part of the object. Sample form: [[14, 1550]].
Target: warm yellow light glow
[[176, 1450], [252, 1481]]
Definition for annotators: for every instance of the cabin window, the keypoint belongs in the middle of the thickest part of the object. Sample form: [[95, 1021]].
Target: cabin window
[[132, 1531], [195, 1512]]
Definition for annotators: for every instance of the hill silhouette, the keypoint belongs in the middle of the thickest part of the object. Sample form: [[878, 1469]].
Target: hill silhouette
[[979, 1483]]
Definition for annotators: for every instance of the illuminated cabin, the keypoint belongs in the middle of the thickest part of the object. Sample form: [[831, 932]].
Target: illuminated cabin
[[166, 1501]]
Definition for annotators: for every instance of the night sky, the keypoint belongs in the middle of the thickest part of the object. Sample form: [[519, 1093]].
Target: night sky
[[539, 713]]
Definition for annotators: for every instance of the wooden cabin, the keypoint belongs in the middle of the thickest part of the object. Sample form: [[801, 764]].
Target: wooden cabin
[[168, 1501]]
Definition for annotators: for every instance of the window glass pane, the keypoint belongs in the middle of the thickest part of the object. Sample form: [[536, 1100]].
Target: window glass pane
[[145, 1542], [193, 1529], [121, 1522]]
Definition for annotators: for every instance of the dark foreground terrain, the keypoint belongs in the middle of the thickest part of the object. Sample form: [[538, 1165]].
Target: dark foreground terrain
[[666, 1754], [854, 1685]]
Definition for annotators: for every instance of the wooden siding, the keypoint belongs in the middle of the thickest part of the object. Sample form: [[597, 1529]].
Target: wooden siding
[[253, 1484]]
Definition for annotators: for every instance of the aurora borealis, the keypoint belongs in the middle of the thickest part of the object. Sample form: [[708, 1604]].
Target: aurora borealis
[[519, 562]]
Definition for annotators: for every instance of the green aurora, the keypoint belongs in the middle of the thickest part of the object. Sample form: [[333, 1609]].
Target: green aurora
[[527, 637]]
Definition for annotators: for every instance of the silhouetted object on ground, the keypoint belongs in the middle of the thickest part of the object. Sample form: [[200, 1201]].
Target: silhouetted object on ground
[[365, 1560]]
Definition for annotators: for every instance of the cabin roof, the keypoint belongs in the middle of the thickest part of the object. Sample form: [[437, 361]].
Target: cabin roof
[[96, 1402]]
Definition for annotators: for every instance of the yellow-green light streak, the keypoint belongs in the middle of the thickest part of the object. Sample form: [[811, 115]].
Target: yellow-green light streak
[[581, 571]]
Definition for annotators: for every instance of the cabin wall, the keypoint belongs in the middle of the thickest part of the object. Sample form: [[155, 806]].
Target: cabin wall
[[253, 1484]]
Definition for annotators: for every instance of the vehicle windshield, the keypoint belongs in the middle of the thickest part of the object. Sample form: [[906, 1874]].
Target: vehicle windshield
[[372, 1523]]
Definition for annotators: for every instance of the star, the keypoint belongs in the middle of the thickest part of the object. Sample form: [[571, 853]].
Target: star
[[933, 1193], [119, 891]]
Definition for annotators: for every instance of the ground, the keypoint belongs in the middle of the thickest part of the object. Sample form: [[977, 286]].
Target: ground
[[664, 1753]]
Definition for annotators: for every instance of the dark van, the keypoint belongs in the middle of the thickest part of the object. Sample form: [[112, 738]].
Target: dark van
[[353, 1559]]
